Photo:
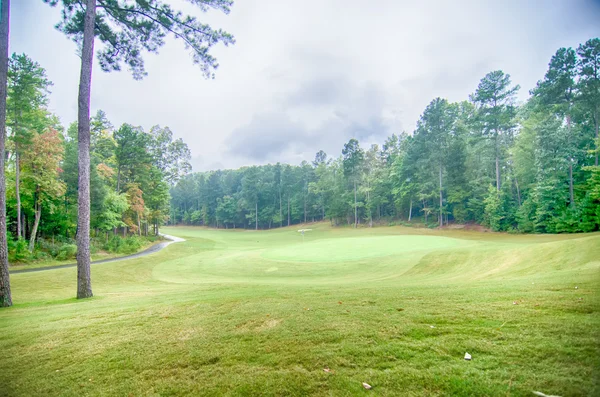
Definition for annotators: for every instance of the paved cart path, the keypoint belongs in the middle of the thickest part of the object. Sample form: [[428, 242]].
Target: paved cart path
[[151, 250]]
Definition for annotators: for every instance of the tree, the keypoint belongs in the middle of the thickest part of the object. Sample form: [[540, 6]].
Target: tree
[[41, 171], [172, 157], [495, 98], [353, 161], [589, 82], [434, 131], [27, 93], [5, 295], [125, 29], [558, 91]]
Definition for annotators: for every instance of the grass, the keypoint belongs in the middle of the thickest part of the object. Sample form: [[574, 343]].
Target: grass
[[263, 313]]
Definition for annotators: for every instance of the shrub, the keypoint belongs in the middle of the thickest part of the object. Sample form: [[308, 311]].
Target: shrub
[[67, 251], [18, 251]]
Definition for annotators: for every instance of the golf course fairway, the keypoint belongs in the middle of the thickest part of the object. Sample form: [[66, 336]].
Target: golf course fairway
[[278, 313]]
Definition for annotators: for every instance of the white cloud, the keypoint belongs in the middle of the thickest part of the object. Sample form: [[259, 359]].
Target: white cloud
[[307, 75]]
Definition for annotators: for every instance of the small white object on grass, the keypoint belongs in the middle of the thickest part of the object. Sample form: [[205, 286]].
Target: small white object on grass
[[576, 287], [431, 326], [539, 393], [467, 357], [367, 386]]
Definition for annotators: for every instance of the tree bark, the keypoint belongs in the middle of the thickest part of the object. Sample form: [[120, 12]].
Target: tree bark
[[571, 195], [18, 189], [305, 208], [596, 127], [36, 224], [518, 190], [84, 282], [5, 295], [355, 208], [497, 163], [441, 199]]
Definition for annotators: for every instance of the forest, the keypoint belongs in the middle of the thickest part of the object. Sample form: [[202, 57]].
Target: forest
[[527, 167], [130, 175]]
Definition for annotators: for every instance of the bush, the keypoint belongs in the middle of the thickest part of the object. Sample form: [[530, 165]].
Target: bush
[[67, 251], [18, 251]]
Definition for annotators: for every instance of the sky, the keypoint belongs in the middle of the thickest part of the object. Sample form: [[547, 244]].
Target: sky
[[309, 75]]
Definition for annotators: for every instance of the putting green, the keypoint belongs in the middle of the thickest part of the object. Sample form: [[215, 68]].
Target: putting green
[[356, 248], [316, 261]]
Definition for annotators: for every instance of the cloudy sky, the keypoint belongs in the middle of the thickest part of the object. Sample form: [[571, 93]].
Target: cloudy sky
[[309, 75]]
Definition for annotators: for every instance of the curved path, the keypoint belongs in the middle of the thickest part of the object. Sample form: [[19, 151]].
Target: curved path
[[150, 250]]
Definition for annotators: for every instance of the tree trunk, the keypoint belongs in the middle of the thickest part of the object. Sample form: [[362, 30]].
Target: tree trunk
[[497, 164], [441, 199], [571, 195], [410, 211], [305, 208], [596, 115], [36, 224], [280, 209], [518, 190], [256, 216], [118, 179], [497, 173], [288, 210], [84, 282], [18, 189], [5, 295], [355, 208]]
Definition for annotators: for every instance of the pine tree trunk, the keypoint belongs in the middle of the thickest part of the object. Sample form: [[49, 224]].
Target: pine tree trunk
[[497, 173], [36, 224], [410, 211], [355, 208], [497, 164], [571, 195], [84, 282], [118, 179], [441, 199], [596, 127], [5, 295], [18, 189], [518, 190], [305, 208]]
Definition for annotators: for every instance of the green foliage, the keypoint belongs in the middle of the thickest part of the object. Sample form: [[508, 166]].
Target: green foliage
[[18, 251], [67, 251]]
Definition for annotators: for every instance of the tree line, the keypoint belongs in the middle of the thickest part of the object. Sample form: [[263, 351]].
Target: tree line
[[130, 173], [529, 168], [120, 177]]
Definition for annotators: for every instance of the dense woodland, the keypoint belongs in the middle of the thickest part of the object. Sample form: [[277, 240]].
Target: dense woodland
[[530, 167], [131, 171]]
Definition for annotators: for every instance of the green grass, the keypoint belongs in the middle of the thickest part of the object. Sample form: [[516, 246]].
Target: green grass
[[263, 313]]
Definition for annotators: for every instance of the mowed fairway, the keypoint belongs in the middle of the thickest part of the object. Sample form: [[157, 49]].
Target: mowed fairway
[[266, 313]]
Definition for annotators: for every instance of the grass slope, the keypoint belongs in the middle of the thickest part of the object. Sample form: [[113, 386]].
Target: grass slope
[[263, 313]]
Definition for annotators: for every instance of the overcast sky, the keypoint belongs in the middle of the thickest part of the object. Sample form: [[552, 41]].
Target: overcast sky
[[309, 75]]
